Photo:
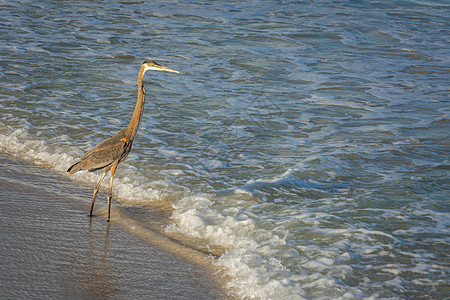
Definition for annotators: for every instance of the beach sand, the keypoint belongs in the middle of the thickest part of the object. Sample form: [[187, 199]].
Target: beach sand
[[50, 248]]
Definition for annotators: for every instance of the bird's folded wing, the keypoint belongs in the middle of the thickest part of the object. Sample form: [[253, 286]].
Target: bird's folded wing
[[102, 157]]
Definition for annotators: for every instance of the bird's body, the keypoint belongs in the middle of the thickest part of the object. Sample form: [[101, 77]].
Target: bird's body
[[112, 151]]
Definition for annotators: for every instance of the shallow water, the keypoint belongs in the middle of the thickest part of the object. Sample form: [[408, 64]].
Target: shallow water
[[50, 249], [309, 139]]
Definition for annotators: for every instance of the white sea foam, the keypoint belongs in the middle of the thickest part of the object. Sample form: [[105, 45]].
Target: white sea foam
[[254, 274], [19, 143]]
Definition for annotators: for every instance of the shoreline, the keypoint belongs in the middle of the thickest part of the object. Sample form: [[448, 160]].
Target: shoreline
[[50, 248]]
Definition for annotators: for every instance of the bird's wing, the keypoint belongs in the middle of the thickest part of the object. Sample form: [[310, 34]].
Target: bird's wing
[[110, 151]]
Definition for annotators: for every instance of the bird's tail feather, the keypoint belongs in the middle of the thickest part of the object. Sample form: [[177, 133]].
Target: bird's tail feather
[[74, 168]]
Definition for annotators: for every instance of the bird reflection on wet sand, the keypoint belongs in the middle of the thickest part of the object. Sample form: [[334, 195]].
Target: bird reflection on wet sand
[[92, 271]]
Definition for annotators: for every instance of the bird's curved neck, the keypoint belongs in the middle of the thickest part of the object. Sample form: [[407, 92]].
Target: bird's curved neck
[[136, 118]]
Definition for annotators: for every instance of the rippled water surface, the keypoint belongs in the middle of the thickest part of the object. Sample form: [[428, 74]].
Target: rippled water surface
[[309, 139]]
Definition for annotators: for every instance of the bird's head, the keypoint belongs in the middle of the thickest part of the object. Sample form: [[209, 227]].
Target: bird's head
[[151, 65]]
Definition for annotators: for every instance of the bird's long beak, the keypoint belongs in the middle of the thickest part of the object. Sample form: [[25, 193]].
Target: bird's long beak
[[162, 68], [152, 65]]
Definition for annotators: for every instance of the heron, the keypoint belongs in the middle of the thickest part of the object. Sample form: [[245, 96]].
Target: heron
[[109, 153]]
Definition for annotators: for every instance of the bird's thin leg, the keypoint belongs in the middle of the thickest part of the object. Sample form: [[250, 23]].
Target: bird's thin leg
[[95, 192], [113, 170]]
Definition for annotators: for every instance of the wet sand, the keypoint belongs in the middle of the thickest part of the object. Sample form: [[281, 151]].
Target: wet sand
[[50, 248]]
